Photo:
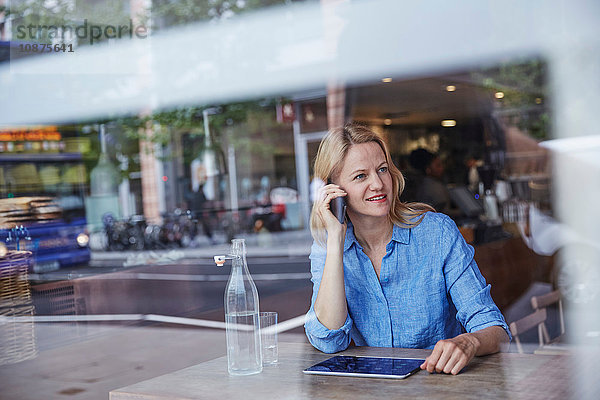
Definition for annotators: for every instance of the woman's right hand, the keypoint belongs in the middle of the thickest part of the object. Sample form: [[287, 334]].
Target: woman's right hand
[[323, 209]]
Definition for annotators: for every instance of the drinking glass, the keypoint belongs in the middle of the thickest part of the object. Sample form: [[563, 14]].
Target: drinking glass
[[268, 337]]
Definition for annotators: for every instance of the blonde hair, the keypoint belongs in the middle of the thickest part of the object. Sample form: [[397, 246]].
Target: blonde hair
[[328, 163]]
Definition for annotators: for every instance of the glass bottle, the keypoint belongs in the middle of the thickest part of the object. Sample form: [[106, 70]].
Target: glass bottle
[[104, 177], [241, 315]]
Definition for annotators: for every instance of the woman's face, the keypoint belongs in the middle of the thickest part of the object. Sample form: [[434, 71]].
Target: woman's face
[[367, 180]]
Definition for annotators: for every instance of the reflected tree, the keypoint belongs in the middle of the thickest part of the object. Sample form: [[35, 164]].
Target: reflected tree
[[523, 85]]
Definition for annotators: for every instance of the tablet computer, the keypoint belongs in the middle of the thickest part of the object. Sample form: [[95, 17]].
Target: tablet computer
[[367, 367], [466, 201]]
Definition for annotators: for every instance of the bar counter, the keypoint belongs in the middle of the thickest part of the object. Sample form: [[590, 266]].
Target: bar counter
[[497, 376]]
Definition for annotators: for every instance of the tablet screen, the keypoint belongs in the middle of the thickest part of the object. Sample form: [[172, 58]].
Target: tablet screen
[[374, 367]]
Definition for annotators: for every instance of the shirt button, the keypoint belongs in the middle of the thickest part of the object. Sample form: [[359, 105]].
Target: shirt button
[[385, 279]]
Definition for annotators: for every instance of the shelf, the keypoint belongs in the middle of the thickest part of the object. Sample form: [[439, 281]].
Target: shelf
[[529, 177], [40, 157]]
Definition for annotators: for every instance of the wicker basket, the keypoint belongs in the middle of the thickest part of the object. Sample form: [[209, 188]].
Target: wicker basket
[[17, 338], [14, 286]]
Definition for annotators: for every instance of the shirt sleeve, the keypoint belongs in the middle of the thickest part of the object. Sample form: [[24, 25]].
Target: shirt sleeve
[[322, 338], [467, 287]]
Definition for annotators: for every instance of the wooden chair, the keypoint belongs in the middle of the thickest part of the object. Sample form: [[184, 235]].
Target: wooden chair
[[543, 301], [526, 323]]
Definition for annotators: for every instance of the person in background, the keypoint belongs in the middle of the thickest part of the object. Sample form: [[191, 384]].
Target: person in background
[[432, 189], [263, 234], [472, 175], [393, 274], [198, 205]]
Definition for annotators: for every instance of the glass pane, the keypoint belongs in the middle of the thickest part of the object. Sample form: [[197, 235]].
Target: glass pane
[[177, 126]]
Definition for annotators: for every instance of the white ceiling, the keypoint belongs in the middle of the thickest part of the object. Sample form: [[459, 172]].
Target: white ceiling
[[422, 101]]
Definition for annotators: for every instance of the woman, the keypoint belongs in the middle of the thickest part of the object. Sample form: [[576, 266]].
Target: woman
[[394, 274]]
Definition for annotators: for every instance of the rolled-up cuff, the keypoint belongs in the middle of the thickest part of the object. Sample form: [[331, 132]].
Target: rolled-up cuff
[[327, 340]]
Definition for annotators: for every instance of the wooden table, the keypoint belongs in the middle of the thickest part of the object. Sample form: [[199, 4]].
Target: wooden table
[[498, 376]]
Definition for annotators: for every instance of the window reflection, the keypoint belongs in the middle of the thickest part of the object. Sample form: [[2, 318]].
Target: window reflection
[[122, 211]]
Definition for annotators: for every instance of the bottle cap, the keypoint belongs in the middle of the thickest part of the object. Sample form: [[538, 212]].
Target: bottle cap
[[220, 260]]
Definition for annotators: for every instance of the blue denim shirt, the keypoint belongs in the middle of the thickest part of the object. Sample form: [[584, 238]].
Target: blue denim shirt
[[429, 289]]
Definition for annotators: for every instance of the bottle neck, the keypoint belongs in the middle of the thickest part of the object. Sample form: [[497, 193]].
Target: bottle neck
[[238, 251], [237, 265], [238, 247]]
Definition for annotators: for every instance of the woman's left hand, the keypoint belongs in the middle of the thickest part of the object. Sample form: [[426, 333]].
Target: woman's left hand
[[450, 356]]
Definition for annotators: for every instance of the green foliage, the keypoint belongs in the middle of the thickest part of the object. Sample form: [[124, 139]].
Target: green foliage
[[37, 13], [119, 146], [162, 13], [168, 13], [525, 93], [47, 18], [254, 130], [109, 12], [234, 123], [164, 124]]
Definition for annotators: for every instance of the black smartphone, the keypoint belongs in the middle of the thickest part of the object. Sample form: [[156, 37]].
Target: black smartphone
[[338, 207]]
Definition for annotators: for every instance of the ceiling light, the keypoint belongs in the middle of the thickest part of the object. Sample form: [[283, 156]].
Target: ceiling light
[[386, 80], [448, 123], [387, 121], [450, 88], [499, 95]]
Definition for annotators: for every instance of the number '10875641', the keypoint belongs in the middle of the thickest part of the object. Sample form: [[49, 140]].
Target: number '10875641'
[[46, 48]]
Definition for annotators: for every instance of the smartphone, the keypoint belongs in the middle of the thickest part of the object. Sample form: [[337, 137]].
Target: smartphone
[[338, 207]]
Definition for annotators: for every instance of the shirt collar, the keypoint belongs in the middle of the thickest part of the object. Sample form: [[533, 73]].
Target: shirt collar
[[399, 234]]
